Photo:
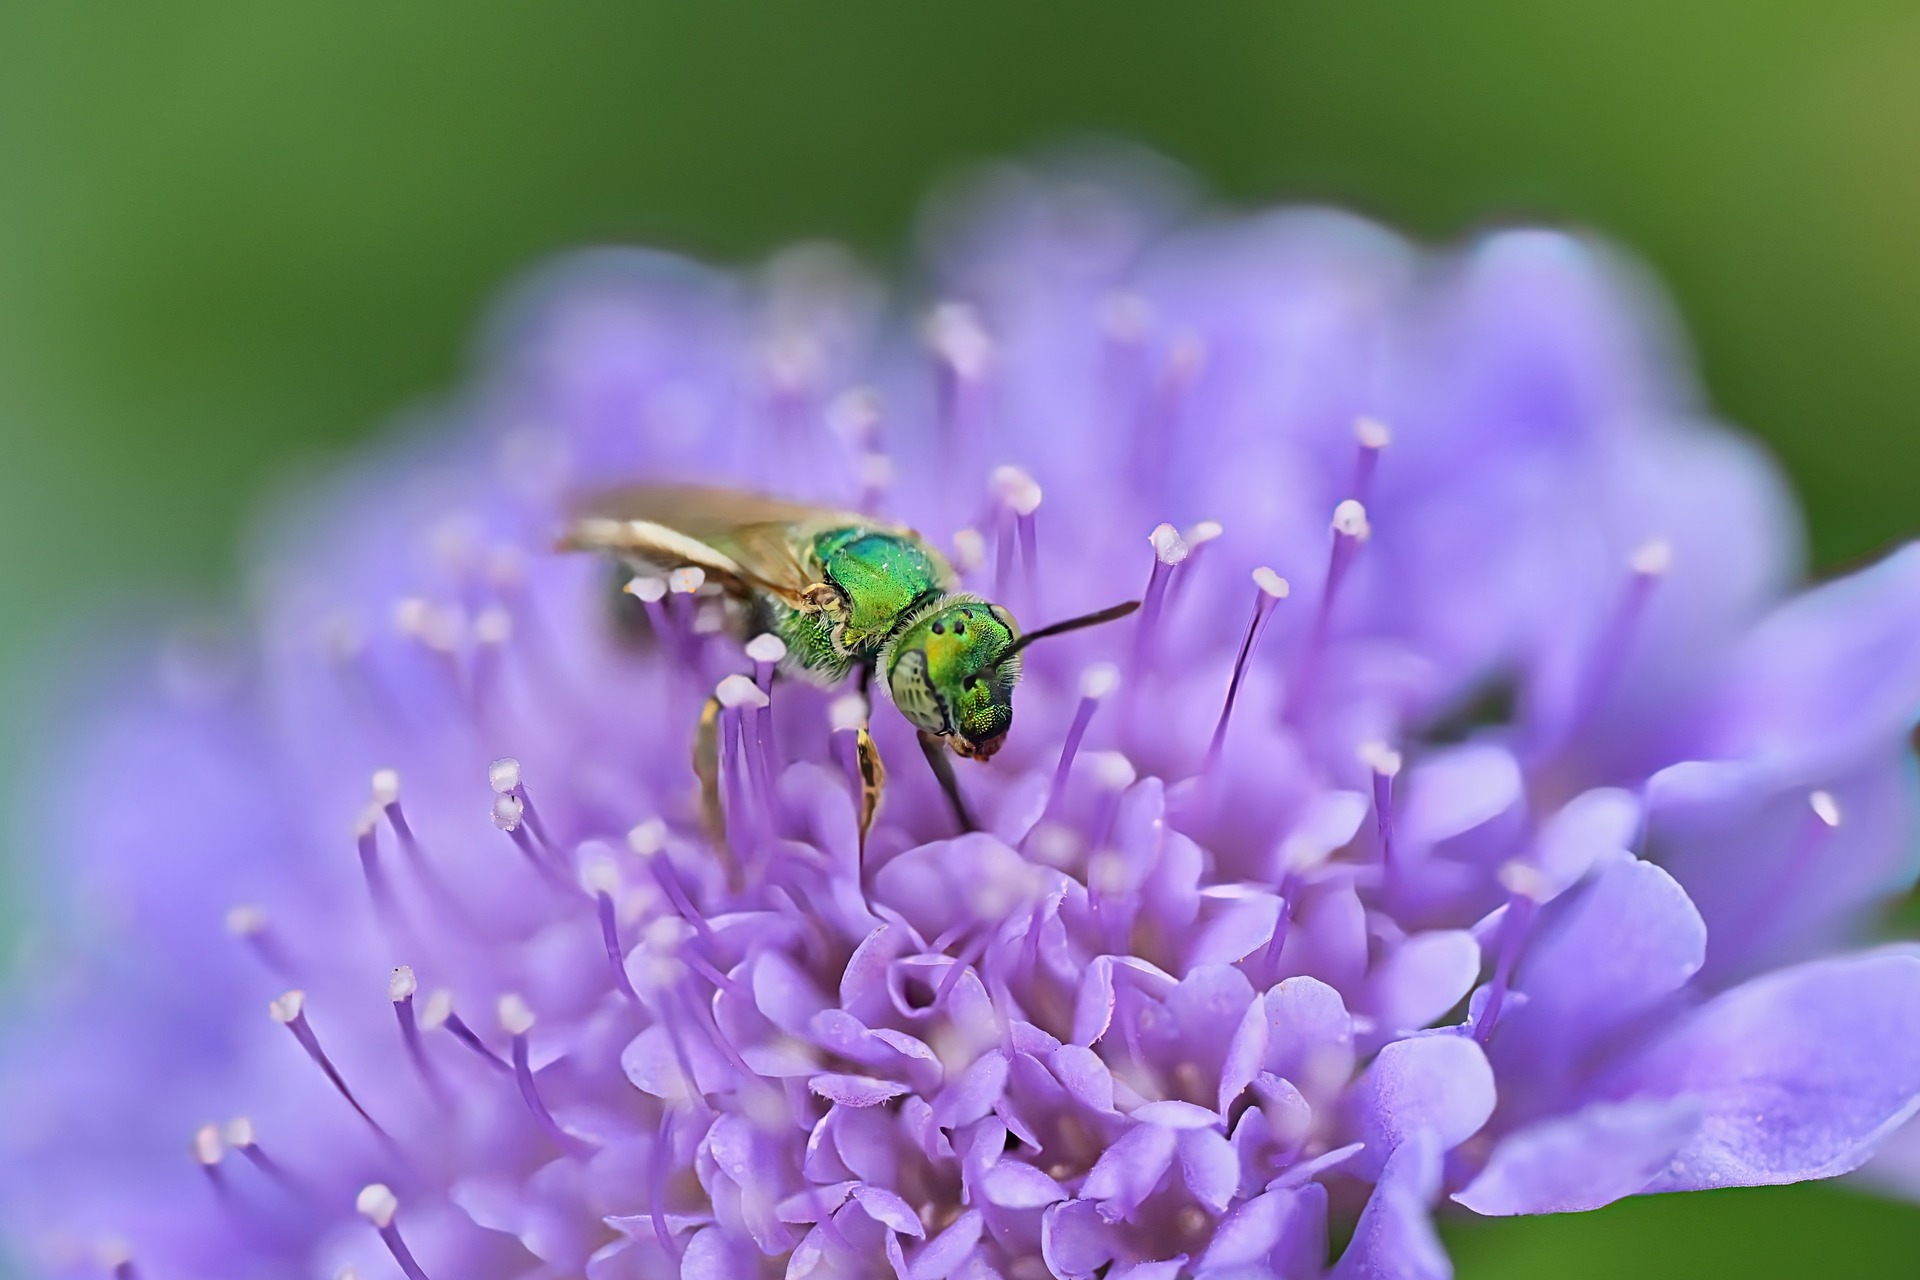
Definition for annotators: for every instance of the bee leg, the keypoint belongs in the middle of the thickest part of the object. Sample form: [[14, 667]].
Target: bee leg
[[706, 767], [942, 765], [873, 781]]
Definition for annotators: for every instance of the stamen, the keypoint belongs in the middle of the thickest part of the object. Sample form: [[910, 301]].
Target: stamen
[[386, 800], [516, 1019], [1269, 590], [208, 1151], [1113, 773], [1197, 538], [1350, 531], [248, 923], [504, 776], [648, 841], [367, 840], [1017, 495], [740, 698], [651, 592], [507, 812], [1384, 762], [1169, 549], [439, 1012], [377, 1204], [290, 1011], [400, 990], [1373, 436], [1097, 684], [602, 879], [1526, 888], [1160, 419], [1816, 833], [116, 1256], [969, 551], [1650, 562]]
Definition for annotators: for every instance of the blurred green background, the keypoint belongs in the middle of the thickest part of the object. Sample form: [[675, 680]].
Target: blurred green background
[[237, 235]]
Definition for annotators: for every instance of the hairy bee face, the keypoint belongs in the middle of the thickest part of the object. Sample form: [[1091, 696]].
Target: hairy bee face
[[947, 676]]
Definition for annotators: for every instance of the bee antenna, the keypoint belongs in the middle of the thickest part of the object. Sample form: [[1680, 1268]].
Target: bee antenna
[[1113, 613]]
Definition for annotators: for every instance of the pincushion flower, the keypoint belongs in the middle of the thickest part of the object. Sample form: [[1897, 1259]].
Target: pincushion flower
[[1470, 818]]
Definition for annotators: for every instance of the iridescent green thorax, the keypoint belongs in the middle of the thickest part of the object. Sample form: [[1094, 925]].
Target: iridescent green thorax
[[877, 579], [945, 672]]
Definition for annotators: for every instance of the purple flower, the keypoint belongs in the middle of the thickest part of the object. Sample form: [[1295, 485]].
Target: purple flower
[[1466, 816]]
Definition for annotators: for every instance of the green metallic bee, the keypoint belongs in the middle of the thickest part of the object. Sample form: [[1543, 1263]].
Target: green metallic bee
[[846, 593]]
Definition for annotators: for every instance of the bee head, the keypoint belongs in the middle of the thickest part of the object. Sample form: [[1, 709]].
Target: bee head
[[952, 671]]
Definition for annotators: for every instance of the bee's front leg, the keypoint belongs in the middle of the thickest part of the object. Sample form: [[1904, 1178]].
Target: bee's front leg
[[935, 750], [706, 767]]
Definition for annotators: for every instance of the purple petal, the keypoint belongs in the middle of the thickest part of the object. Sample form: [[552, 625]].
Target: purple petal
[[972, 1095], [1014, 1184], [1093, 1006], [946, 1251], [784, 994], [1453, 791], [1827, 674], [1248, 1235], [1210, 1167], [1309, 1037], [1075, 1239], [855, 1091], [1174, 1114], [1800, 1074], [1236, 929], [1436, 1084], [814, 1203], [1394, 1239], [1128, 1171], [1083, 1074], [1245, 1053], [889, 1210], [1423, 977], [714, 1254], [1574, 1163]]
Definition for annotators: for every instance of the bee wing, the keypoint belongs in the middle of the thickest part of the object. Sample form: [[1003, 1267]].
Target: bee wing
[[743, 541]]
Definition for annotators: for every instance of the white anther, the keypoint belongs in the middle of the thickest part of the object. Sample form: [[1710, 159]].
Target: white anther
[[506, 567], [847, 712], [875, 470], [493, 626], [855, 413], [430, 624], [1013, 486], [367, 823], [377, 1204], [1653, 558], [401, 983], [649, 838], [687, 579], [1380, 758], [386, 787], [599, 873], [969, 550], [1372, 433], [955, 334], [1168, 546], [1112, 771], [238, 1133], [645, 589], [288, 1006], [348, 1272], [507, 812], [1099, 680], [1524, 880], [1825, 807], [1350, 520], [740, 691], [766, 647], [208, 1148], [1203, 533], [516, 1019], [1187, 357], [1271, 583], [438, 1008], [246, 920], [503, 775], [1125, 316]]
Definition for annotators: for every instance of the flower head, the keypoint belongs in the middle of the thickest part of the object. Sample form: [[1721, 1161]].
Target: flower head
[[1464, 815]]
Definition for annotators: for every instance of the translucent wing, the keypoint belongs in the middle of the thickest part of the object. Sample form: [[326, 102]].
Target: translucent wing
[[742, 541]]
